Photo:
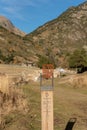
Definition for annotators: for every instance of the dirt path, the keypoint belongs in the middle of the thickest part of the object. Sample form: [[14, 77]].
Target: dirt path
[[70, 103]]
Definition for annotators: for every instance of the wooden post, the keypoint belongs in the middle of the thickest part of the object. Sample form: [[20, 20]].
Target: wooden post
[[47, 101], [47, 110]]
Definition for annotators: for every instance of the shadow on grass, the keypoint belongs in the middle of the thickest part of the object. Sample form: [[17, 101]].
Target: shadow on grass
[[70, 124]]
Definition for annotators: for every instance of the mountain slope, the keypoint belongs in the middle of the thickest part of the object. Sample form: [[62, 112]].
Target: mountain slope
[[54, 40], [14, 49], [4, 22], [63, 34]]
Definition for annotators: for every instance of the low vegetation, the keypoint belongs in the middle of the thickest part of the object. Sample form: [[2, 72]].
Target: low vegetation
[[45, 60], [70, 101], [78, 60]]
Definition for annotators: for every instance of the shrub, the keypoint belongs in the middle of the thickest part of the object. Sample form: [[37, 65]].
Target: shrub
[[78, 60], [45, 60]]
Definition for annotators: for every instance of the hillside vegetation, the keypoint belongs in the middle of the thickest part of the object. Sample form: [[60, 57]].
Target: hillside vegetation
[[63, 35], [52, 42], [13, 49]]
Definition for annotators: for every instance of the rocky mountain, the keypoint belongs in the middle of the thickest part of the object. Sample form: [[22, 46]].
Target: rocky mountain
[[4, 22], [55, 40], [63, 35], [15, 49]]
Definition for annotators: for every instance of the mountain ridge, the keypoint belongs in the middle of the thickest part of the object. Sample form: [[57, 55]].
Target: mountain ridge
[[7, 24], [64, 34], [55, 39]]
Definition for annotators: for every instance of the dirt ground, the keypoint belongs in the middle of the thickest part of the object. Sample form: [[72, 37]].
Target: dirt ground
[[70, 105]]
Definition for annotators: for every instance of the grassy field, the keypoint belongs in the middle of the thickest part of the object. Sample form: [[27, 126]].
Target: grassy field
[[69, 103]]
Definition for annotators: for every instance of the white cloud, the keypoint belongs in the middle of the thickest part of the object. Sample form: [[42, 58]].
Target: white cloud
[[11, 9], [16, 7], [21, 3]]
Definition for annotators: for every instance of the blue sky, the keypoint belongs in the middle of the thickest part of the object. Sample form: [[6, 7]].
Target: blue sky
[[27, 15]]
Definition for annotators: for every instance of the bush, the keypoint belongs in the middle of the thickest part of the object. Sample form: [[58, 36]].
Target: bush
[[9, 58], [44, 60], [1, 55], [78, 60]]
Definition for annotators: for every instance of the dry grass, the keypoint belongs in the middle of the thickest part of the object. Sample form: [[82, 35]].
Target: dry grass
[[77, 80], [70, 101], [4, 83], [15, 101]]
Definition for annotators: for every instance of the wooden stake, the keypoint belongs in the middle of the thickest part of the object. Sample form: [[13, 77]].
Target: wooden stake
[[47, 109]]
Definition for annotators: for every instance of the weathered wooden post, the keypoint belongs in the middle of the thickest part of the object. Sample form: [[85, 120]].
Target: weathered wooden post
[[46, 84]]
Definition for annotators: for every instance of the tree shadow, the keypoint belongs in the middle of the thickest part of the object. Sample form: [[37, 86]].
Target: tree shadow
[[70, 123]]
